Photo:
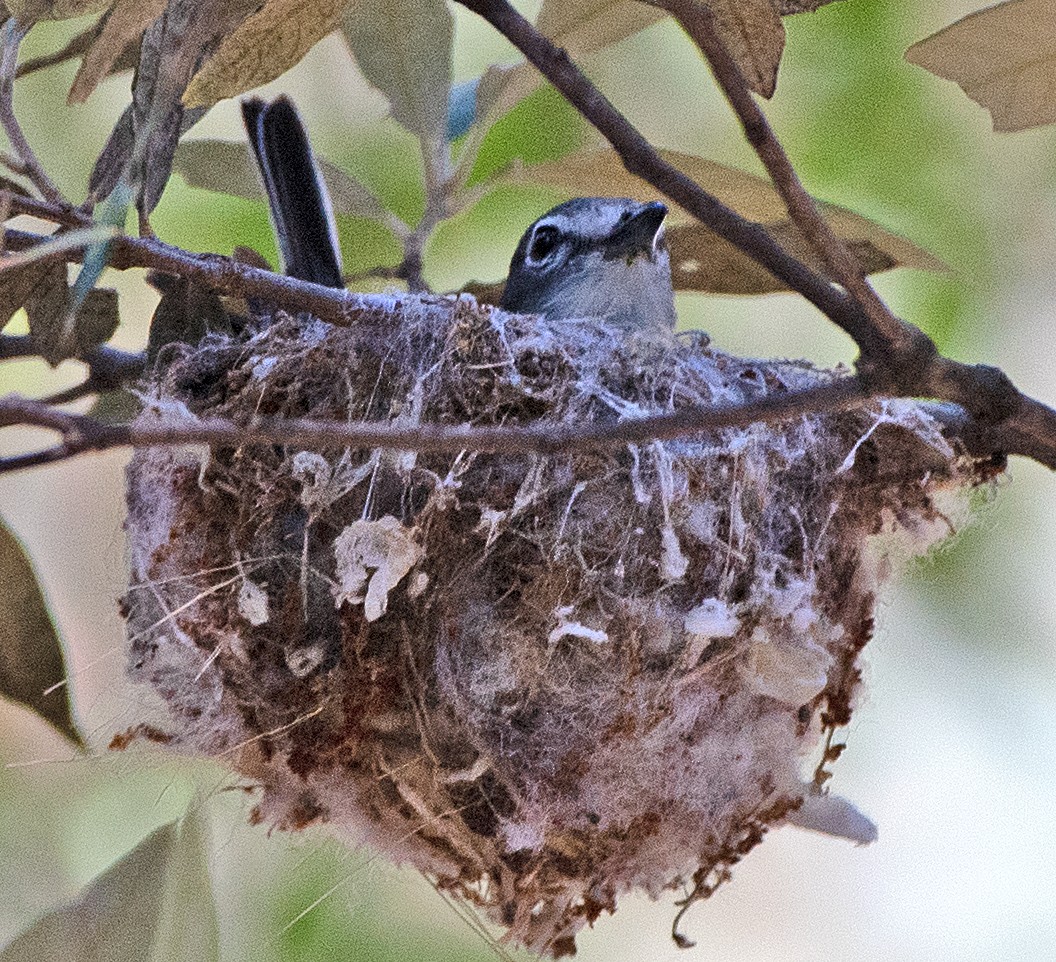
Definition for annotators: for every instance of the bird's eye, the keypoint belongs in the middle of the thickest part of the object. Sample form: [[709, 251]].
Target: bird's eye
[[544, 243]]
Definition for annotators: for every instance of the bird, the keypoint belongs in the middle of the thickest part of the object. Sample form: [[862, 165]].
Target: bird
[[298, 200], [588, 257], [595, 257]]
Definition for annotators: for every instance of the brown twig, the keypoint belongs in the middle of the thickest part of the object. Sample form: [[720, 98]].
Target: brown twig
[[35, 207], [222, 275], [81, 433], [985, 393], [11, 37], [697, 20]]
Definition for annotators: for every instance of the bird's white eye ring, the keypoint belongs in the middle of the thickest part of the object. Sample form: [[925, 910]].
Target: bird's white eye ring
[[544, 243]]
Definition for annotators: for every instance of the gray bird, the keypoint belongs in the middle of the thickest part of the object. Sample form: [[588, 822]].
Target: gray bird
[[595, 257]]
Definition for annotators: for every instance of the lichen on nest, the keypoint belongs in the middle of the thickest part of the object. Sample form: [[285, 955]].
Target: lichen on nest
[[544, 681]]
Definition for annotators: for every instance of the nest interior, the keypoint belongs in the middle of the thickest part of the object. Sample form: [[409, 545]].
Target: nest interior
[[543, 681]]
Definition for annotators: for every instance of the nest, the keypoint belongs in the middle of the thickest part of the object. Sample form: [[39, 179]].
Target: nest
[[543, 681]]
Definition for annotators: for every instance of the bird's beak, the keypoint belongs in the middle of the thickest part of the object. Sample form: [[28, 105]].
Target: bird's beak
[[639, 234]]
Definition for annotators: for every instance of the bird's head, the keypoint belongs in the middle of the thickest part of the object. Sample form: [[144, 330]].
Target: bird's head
[[595, 257]]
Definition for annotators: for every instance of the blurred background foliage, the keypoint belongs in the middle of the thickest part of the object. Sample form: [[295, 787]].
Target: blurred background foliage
[[952, 752]]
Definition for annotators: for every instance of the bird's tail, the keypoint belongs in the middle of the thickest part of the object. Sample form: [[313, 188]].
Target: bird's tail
[[297, 197]]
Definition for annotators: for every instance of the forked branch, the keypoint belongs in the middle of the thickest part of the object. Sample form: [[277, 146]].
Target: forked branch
[[896, 358]]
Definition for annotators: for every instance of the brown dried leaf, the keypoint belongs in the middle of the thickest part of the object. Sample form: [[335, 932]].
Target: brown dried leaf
[[584, 26], [262, 47], [755, 37], [57, 330], [31, 658], [30, 11], [600, 172], [403, 48], [47, 307], [787, 7], [1003, 57], [16, 284], [703, 261], [97, 318], [123, 25]]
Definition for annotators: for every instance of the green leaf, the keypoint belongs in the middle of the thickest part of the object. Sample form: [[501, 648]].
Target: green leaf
[[113, 919], [154, 904], [188, 929], [31, 659], [403, 48]]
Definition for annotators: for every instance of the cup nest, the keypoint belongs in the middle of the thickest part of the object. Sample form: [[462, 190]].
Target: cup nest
[[541, 680]]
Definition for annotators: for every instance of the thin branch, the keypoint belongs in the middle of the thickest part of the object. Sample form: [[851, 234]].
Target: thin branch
[[985, 392], [699, 23], [436, 163], [56, 213], [108, 368], [222, 275], [11, 37], [81, 433]]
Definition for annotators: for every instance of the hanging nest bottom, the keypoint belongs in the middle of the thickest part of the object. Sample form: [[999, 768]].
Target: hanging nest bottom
[[543, 681]]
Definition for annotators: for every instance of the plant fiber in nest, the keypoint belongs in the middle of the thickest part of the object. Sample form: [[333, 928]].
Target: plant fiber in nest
[[543, 681]]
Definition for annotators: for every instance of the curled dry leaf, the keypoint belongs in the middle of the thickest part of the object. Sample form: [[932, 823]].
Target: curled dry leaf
[[751, 31], [142, 143], [403, 48], [16, 285], [702, 261], [584, 26], [123, 25], [62, 328], [1003, 57], [31, 659], [264, 46], [755, 37]]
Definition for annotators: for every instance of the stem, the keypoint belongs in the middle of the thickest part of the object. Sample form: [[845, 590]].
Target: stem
[[11, 37]]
